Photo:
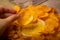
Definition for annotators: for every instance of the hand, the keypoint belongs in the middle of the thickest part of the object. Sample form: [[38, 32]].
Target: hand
[[6, 17]]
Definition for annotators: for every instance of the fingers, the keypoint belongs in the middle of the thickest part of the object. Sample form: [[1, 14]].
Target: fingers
[[5, 15], [8, 14], [5, 22], [1, 10], [7, 10], [11, 18], [4, 11]]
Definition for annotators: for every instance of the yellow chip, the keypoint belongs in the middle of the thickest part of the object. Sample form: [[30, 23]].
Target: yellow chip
[[16, 8], [34, 28]]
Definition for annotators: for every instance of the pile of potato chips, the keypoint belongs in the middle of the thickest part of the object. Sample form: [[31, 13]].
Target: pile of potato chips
[[36, 23]]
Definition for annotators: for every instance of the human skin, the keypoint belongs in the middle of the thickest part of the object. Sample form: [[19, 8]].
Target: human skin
[[7, 16]]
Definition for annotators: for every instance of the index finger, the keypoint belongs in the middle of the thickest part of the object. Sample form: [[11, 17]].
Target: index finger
[[9, 10]]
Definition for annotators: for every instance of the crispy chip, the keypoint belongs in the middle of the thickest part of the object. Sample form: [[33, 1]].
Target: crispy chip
[[16, 8], [33, 25]]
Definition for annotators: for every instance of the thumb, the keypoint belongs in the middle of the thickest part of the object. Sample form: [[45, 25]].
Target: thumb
[[11, 18], [6, 22]]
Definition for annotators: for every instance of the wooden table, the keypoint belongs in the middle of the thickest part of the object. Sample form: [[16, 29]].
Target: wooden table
[[51, 3], [54, 4]]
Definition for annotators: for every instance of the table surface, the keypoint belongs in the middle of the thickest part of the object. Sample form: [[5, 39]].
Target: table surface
[[54, 4], [51, 3]]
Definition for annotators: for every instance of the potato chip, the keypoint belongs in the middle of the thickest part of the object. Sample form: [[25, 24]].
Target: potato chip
[[33, 25], [34, 28], [17, 8], [43, 8]]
